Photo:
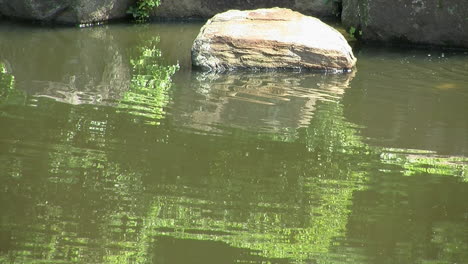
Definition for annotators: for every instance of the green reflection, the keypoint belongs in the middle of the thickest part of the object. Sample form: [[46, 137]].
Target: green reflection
[[7, 85], [296, 218], [7, 81], [150, 83], [417, 162], [89, 184], [288, 198]]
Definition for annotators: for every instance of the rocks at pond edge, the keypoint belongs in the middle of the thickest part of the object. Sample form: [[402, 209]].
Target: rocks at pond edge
[[270, 39], [209, 8], [65, 11], [441, 22]]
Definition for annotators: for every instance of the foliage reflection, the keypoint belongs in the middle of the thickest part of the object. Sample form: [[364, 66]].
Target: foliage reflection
[[150, 83], [100, 183]]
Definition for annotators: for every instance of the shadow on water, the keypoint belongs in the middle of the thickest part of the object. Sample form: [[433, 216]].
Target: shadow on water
[[421, 98], [136, 162], [69, 66]]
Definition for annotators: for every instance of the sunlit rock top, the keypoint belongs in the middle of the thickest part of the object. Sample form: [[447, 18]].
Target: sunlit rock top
[[269, 39]]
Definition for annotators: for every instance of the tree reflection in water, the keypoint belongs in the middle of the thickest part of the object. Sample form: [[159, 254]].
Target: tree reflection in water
[[287, 179]]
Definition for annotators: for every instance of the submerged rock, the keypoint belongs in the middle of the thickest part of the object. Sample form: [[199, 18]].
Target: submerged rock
[[270, 39]]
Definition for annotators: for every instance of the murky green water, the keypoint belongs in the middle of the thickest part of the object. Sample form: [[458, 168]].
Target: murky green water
[[107, 156]]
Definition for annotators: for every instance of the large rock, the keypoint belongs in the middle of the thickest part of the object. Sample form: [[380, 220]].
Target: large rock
[[209, 8], [270, 38], [442, 22], [65, 11]]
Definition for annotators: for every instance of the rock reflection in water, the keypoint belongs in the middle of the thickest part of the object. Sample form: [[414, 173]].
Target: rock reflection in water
[[262, 101], [64, 65], [98, 67]]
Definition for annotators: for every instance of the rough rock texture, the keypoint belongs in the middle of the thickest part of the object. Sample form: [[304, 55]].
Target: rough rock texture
[[270, 38], [65, 11], [441, 22], [209, 8]]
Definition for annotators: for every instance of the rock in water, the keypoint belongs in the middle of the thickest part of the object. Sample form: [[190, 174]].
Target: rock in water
[[270, 39]]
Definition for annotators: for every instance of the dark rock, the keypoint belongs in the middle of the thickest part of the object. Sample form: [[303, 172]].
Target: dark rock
[[209, 8], [441, 23], [65, 11], [90, 11]]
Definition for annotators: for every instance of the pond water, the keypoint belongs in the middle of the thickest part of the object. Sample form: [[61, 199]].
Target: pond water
[[111, 153]]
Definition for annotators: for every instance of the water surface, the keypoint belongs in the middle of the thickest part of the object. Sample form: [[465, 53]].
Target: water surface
[[109, 153]]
